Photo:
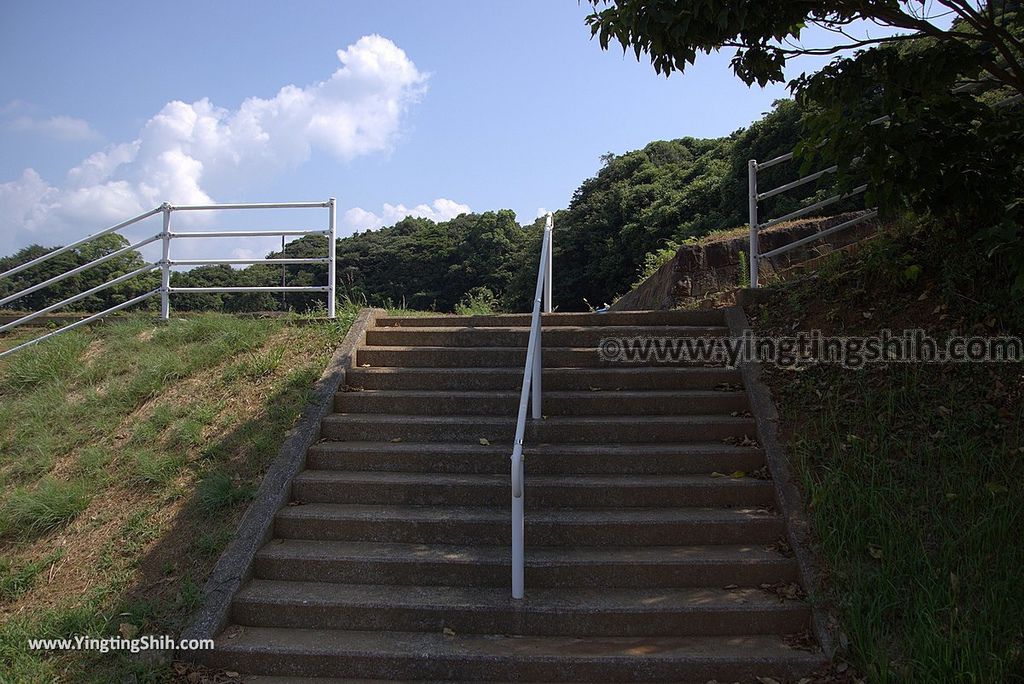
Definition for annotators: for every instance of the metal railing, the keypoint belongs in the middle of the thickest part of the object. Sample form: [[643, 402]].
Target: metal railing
[[755, 197], [530, 394], [166, 263]]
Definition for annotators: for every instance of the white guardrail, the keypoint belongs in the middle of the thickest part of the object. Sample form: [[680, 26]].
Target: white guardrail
[[755, 197], [530, 394], [164, 265]]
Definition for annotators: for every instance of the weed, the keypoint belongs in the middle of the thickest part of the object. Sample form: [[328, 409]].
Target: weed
[[218, 491]]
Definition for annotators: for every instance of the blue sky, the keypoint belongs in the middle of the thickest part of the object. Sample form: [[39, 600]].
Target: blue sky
[[458, 103]]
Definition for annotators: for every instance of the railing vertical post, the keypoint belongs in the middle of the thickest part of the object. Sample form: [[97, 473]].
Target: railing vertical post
[[332, 259], [165, 265], [518, 532], [752, 202], [549, 233]]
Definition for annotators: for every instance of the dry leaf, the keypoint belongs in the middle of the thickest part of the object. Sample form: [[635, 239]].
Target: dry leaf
[[448, 631], [397, 439], [127, 630], [484, 442], [875, 551]]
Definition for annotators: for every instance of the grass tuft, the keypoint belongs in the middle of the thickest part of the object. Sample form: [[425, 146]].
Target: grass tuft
[[49, 505]]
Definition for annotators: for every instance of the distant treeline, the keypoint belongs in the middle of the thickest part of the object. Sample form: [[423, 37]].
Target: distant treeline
[[638, 203]]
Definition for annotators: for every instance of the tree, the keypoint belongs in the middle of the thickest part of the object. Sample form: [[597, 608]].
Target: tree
[[766, 33]]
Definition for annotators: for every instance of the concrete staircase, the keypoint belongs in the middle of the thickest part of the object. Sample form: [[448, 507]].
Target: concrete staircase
[[392, 563]]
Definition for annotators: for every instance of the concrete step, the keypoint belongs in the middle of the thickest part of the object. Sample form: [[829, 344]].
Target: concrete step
[[565, 336], [506, 402], [745, 565], [543, 491], [544, 527], [425, 655], [498, 357], [362, 427], [541, 459], [491, 610], [611, 319], [554, 379]]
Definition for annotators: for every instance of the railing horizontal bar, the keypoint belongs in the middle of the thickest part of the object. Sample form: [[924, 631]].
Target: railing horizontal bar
[[797, 183], [226, 290], [73, 245], [81, 295], [75, 271], [66, 328], [273, 262], [254, 205], [808, 209], [820, 234], [777, 160], [246, 233]]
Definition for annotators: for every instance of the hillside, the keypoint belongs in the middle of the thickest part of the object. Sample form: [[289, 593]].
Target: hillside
[[130, 450], [912, 471], [636, 204]]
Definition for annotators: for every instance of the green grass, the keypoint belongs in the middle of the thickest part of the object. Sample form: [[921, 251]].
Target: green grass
[[34, 510], [912, 472], [147, 441]]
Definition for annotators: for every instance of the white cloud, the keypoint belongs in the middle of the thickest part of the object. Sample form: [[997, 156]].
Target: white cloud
[[64, 128], [441, 209], [192, 152]]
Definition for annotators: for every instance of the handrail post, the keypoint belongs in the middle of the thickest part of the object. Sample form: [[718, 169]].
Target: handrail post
[[165, 265], [518, 531], [332, 259], [752, 203], [549, 234]]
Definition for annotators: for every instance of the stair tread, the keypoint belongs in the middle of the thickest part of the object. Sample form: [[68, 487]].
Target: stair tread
[[619, 330], [563, 516], [428, 395], [467, 647], [538, 600], [485, 480], [403, 418], [536, 556], [538, 450]]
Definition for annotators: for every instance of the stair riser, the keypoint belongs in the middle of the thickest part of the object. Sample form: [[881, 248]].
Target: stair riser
[[499, 665], [625, 574], [537, 496], [785, 619], [745, 459], [593, 404], [645, 318], [433, 357], [754, 531], [470, 337], [511, 379], [355, 428]]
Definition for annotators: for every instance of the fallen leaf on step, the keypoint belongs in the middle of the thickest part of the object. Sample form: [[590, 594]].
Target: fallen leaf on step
[[595, 389], [448, 631], [729, 587], [736, 474], [296, 503], [767, 680], [484, 442], [231, 674], [718, 474], [397, 439]]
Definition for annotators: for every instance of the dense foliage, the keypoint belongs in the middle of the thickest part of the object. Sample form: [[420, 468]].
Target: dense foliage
[[947, 149]]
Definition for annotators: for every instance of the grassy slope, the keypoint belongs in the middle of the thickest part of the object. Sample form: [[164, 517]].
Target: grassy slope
[[128, 452], [912, 472]]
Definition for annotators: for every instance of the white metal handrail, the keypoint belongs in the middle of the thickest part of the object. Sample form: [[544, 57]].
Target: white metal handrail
[[164, 265], [530, 394]]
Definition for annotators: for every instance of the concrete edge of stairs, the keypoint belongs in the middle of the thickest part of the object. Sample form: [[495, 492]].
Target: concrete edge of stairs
[[789, 499], [234, 567]]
